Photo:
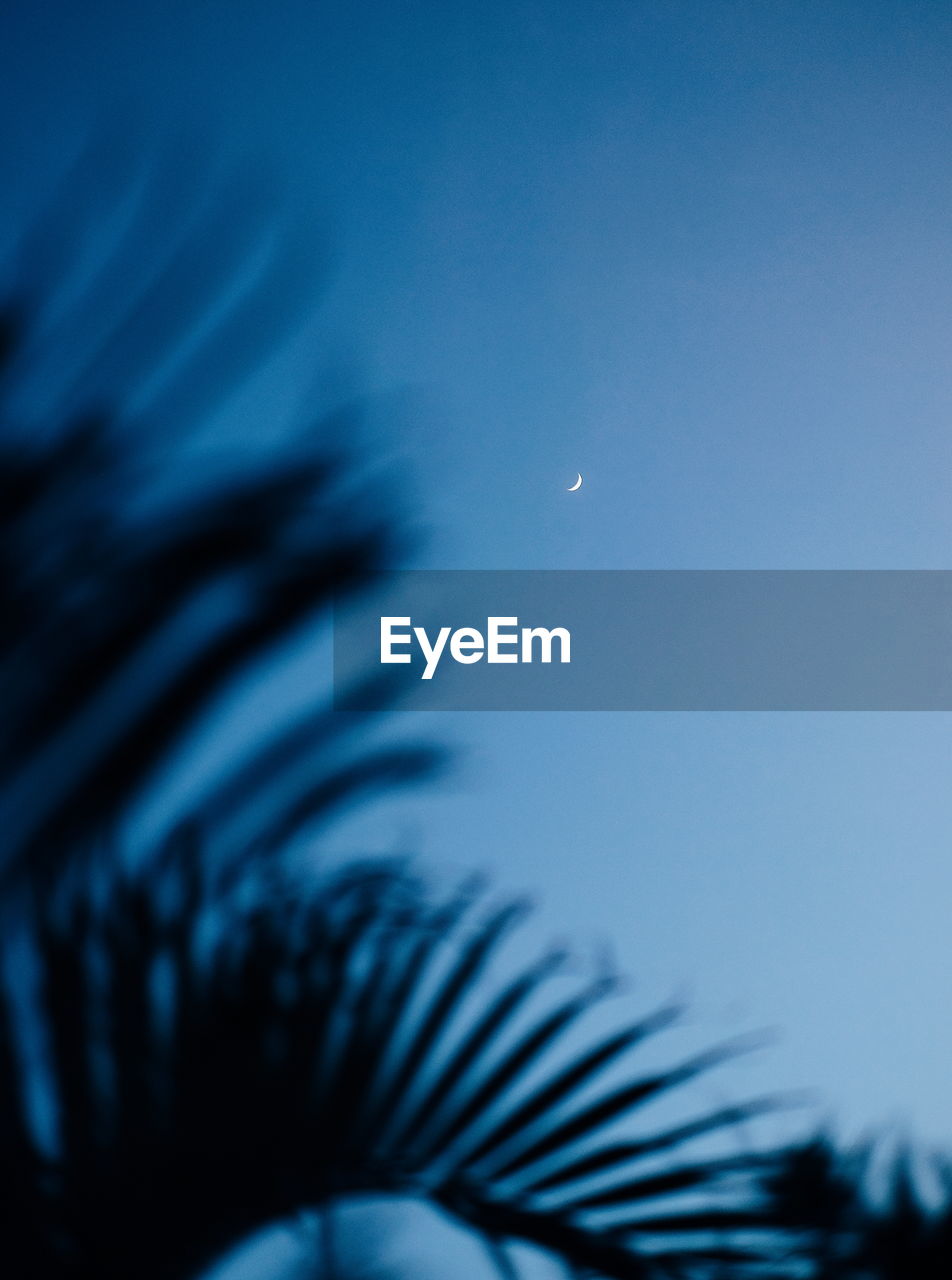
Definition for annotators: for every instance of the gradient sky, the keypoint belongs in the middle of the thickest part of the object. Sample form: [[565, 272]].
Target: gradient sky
[[702, 253]]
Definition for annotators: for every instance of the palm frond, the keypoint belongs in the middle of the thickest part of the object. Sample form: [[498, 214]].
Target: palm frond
[[865, 1213], [198, 1043], [137, 586], [224, 1051]]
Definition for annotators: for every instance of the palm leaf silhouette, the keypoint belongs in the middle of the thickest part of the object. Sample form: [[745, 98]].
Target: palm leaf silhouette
[[137, 588], [223, 1051], [196, 1041], [860, 1214]]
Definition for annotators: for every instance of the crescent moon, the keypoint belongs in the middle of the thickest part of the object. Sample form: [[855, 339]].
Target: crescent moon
[[576, 485]]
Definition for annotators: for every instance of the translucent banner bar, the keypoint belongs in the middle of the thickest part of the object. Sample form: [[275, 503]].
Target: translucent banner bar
[[642, 640]]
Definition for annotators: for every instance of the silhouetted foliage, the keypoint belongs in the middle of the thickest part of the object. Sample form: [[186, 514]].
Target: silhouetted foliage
[[225, 1049], [136, 584], [194, 1042], [855, 1216]]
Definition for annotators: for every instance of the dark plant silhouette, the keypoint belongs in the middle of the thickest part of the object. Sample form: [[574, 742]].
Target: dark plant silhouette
[[225, 1050], [860, 1215], [196, 1041], [139, 579]]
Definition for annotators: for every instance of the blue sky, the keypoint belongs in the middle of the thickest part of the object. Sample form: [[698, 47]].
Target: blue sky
[[699, 252]]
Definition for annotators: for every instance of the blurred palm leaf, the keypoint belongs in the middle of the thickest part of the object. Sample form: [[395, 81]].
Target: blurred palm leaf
[[135, 587], [864, 1215], [200, 1044], [222, 1052]]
